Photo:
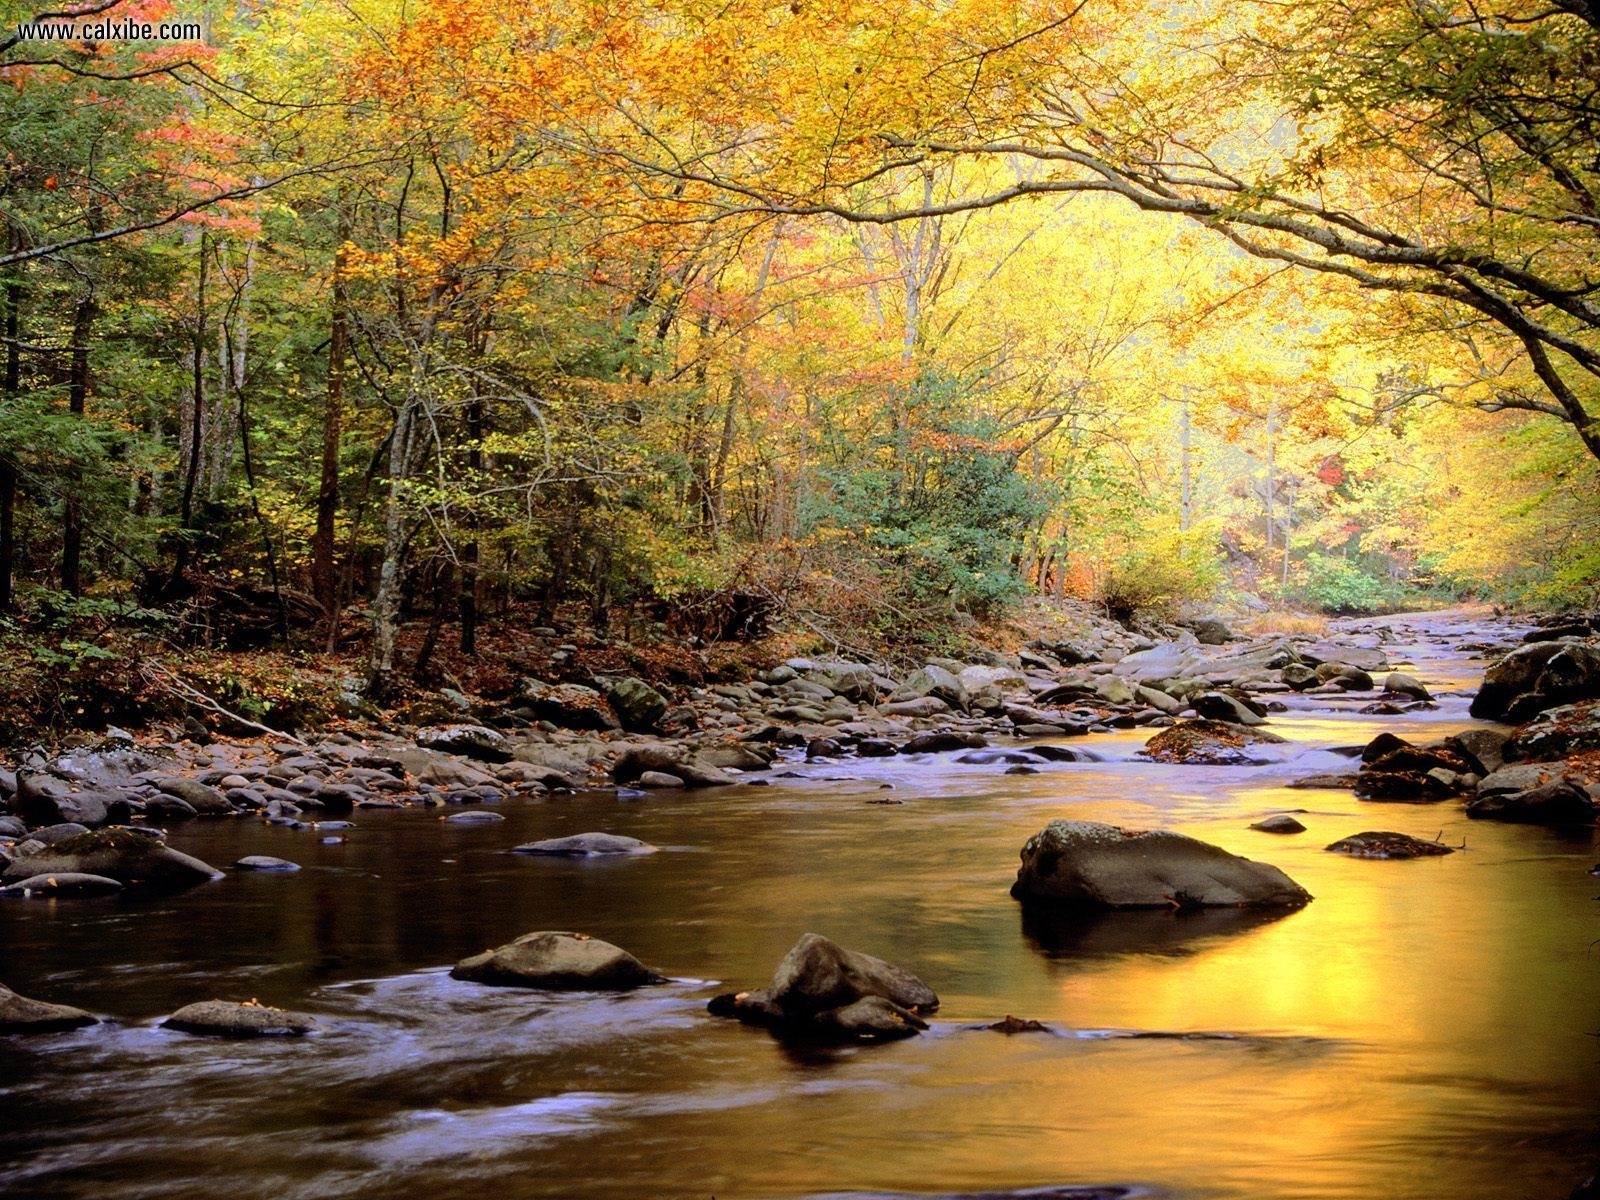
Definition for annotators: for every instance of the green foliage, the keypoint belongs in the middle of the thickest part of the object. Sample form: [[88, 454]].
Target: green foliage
[[1152, 580], [1342, 585]]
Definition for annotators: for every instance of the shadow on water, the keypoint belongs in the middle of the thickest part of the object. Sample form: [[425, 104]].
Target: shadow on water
[[1065, 932]]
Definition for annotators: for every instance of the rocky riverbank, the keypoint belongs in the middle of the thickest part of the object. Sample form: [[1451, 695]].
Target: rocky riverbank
[[1207, 692]]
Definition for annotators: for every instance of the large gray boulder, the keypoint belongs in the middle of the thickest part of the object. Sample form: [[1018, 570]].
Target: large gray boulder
[[852, 680], [18, 1014], [1536, 677], [131, 858], [469, 741], [823, 992], [1088, 864], [638, 705], [935, 681], [43, 799], [557, 961]]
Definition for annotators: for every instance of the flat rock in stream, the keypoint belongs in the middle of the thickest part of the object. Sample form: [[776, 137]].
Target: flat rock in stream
[[557, 961], [225, 1018], [68, 883], [585, 845], [19, 1014], [1087, 864], [1380, 844]]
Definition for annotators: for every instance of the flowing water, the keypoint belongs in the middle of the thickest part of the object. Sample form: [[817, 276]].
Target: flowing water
[[1422, 1030]]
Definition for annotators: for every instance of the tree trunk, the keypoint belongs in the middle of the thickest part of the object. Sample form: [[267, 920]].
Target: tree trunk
[[386, 604], [8, 467], [324, 577], [77, 403], [196, 432], [467, 596]]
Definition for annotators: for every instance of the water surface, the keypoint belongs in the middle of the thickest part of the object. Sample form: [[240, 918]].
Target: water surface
[[1423, 1030]]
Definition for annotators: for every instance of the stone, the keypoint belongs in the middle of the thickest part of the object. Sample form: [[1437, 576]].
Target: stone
[[264, 862], [67, 883], [1299, 676], [51, 800], [226, 1018], [1212, 631], [818, 974], [1536, 677], [852, 680], [468, 741], [474, 817], [821, 991], [1332, 781], [1206, 743], [1219, 706], [206, 800], [19, 1014], [1400, 684], [658, 780], [559, 962], [944, 741], [131, 858], [1383, 744], [638, 705], [587, 845], [1087, 864], [569, 705], [1279, 823], [1377, 844], [936, 682], [1559, 802]]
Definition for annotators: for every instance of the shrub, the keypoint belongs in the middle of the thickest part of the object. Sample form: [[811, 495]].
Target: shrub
[[1153, 580]]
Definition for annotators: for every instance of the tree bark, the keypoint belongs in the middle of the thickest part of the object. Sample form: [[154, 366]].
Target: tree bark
[[8, 467], [324, 576], [77, 403]]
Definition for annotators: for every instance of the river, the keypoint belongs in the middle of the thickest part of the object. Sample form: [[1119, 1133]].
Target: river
[[1423, 1030]]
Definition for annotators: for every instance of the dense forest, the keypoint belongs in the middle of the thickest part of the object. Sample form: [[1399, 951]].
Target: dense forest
[[377, 329]]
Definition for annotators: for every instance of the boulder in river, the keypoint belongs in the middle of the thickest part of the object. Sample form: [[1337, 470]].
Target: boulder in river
[[1559, 802], [1206, 743], [225, 1018], [125, 855], [1219, 706], [1400, 684], [1537, 677], [264, 862], [18, 1014], [50, 800], [1379, 844], [1084, 863], [821, 990], [557, 961], [586, 845], [1279, 823]]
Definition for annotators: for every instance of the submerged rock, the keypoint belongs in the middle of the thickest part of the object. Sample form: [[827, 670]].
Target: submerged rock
[[558, 961], [1102, 866], [226, 1018], [1279, 823], [824, 992], [19, 1014], [67, 883], [583, 845], [1377, 844], [264, 862]]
